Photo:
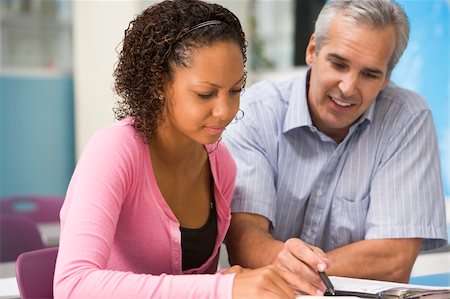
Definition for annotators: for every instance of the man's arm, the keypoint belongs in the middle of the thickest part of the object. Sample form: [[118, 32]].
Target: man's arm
[[383, 259], [250, 244]]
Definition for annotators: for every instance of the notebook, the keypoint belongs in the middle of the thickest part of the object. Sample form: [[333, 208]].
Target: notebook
[[364, 288]]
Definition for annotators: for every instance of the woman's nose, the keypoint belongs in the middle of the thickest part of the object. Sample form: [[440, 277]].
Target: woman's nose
[[222, 108]]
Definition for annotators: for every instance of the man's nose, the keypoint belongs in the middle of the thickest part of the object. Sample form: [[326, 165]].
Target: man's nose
[[348, 84]]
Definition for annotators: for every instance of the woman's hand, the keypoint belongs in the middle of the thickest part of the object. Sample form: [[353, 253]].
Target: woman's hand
[[268, 282]]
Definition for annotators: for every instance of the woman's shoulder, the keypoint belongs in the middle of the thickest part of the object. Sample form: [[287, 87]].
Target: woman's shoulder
[[117, 132], [120, 136]]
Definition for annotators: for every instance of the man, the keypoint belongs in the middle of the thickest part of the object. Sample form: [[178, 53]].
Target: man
[[340, 158]]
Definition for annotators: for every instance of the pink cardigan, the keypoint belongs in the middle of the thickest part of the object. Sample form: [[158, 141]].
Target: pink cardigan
[[119, 238]]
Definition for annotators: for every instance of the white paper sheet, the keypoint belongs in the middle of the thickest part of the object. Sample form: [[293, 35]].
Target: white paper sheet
[[370, 286]]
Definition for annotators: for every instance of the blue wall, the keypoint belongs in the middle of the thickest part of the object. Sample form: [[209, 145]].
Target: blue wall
[[37, 153], [425, 66]]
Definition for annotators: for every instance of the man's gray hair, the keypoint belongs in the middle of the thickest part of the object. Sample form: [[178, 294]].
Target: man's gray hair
[[373, 13]]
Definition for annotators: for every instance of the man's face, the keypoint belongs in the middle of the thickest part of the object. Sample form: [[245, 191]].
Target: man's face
[[347, 74]]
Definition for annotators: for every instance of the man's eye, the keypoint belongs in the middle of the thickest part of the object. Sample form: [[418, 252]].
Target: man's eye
[[370, 75], [337, 66]]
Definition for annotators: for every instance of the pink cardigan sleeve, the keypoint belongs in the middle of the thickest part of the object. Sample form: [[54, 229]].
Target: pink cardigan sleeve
[[89, 218]]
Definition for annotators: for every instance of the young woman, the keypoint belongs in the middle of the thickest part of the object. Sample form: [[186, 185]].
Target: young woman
[[147, 207]]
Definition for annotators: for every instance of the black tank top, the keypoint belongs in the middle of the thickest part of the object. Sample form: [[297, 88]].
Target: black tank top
[[197, 244]]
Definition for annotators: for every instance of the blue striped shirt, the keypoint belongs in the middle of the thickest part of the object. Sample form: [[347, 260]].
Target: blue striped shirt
[[382, 181]]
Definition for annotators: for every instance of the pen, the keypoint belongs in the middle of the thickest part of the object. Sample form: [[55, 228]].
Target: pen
[[327, 282]]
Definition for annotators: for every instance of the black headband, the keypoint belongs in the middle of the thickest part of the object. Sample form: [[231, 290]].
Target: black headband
[[201, 25]]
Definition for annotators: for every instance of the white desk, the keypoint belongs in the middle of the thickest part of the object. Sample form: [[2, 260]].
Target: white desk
[[434, 262], [8, 288], [7, 269], [8, 284]]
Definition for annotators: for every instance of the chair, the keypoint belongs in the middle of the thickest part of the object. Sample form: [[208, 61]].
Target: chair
[[34, 273], [18, 234], [40, 209]]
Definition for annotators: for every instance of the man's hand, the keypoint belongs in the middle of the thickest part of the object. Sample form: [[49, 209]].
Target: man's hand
[[303, 259]]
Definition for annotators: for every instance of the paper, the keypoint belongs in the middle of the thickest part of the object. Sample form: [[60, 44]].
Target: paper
[[385, 289], [362, 285], [322, 297]]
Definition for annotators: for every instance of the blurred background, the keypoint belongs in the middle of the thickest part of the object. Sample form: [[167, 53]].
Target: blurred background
[[57, 59]]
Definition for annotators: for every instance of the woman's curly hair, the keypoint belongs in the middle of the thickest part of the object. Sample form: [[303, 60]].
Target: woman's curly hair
[[154, 42]]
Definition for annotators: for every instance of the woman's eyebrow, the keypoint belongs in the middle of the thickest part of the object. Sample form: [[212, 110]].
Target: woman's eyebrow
[[218, 86]]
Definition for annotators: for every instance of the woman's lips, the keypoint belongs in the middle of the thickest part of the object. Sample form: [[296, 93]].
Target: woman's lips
[[213, 130]]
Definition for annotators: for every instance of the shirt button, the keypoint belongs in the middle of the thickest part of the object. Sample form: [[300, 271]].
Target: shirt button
[[319, 192], [308, 233]]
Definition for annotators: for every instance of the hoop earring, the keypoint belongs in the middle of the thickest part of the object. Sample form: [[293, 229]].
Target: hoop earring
[[239, 115], [216, 145]]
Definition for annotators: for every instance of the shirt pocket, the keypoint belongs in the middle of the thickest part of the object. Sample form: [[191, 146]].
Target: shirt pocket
[[348, 220]]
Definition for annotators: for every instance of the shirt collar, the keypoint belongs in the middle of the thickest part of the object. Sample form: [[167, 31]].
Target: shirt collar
[[297, 114]]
